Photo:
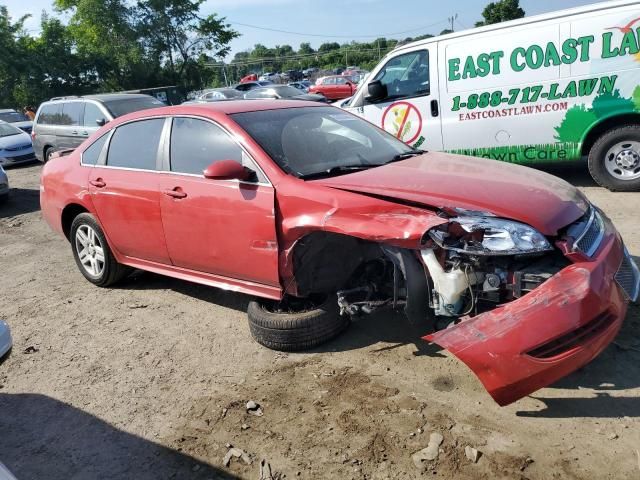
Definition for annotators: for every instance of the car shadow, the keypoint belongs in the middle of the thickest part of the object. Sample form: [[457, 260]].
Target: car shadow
[[20, 201], [46, 438]]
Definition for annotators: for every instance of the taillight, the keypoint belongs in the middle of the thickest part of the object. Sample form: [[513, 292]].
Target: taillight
[[33, 135]]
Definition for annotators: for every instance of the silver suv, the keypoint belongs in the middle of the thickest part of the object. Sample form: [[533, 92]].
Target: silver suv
[[65, 122]]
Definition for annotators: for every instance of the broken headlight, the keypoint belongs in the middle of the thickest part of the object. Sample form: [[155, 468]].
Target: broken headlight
[[489, 236]]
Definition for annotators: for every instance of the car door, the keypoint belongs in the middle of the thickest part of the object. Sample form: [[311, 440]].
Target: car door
[[342, 88], [411, 108], [70, 124], [223, 227], [124, 191]]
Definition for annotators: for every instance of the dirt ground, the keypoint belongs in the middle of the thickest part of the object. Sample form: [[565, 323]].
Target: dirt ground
[[149, 380]]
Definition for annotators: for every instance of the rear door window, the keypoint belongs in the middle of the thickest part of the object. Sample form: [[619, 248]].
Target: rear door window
[[72, 113], [91, 155], [135, 145], [50, 114]]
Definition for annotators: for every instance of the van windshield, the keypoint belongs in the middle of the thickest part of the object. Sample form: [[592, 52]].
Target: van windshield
[[123, 106]]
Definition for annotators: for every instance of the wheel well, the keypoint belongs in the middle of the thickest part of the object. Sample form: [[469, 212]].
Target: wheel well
[[612, 122], [68, 214]]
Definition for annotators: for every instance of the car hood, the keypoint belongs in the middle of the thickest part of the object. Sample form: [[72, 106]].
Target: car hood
[[13, 141], [441, 180]]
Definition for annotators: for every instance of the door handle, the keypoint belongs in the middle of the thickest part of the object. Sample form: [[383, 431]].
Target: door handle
[[175, 193], [98, 183], [74, 132], [434, 108], [84, 134]]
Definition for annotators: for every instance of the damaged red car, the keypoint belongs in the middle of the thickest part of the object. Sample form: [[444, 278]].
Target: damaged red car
[[321, 216]]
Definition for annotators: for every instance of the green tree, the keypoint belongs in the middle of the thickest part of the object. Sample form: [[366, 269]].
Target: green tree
[[305, 49], [608, 103], [175, 32], [575, 122], [501, 11]]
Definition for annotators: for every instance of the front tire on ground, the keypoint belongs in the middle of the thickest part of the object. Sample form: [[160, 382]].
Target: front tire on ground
[[292, 331], [614, 160], [92, 253]]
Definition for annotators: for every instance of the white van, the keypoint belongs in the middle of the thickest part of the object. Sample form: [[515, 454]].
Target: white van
[[541, 89]]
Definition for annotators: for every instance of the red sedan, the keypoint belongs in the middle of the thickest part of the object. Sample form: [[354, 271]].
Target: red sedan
[[322, 216], [335, 87]]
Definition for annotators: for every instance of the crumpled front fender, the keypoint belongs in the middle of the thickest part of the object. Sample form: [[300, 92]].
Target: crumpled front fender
[[552, 331]]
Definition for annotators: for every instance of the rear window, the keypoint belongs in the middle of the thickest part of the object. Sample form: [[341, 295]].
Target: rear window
[[91, 155], [128, 105], [12, 117]]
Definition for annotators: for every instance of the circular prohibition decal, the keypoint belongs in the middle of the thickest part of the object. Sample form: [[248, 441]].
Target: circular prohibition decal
[[403, 120]]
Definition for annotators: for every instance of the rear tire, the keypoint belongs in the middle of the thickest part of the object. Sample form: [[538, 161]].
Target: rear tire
[[614, 160], [92, 253], [291, 332], [46, 155]]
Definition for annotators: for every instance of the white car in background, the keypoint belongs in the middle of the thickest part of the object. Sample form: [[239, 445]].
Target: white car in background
[[270, 77], [15, 146]]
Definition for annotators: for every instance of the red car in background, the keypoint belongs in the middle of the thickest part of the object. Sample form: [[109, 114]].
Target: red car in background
[[322, 215], [252, 77], [335, 87]]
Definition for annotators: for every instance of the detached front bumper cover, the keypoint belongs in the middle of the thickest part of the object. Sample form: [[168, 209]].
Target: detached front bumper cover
[[552, 331]]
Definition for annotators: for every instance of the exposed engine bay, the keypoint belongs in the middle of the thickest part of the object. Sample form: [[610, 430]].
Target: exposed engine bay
[[464, 267]]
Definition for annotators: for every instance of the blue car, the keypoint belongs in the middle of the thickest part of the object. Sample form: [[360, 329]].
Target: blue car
[[5, 339], [15, 146]]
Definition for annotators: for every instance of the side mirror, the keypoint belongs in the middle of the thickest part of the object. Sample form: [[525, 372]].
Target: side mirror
[[227, 170], [377, 91], [101, 122]]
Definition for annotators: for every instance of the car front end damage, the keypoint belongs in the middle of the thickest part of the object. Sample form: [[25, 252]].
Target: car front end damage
[[519, 308]]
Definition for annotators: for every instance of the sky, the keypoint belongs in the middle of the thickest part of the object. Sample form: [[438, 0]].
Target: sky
[[328, 21]]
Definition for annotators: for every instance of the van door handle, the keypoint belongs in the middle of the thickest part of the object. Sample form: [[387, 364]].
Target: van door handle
[[98, 183], [84, 134], [74, 132], [175, 193], [434, 108]]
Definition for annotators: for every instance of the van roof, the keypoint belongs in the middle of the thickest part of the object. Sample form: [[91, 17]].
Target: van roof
[[101, 97], [521, 21]]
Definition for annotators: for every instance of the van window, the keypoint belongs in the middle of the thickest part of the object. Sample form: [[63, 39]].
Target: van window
[[406, 75], [72, 113], [126, 150], [91, 115], [50, 114], [91, 155]]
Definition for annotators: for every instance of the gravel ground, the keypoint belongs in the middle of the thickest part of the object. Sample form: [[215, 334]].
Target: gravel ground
[[149, 380]]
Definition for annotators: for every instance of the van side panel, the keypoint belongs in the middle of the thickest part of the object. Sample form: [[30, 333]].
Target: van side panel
[[531, 93]]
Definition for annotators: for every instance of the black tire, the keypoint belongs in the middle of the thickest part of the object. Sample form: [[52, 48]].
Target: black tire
[[597, 158], [46, 155], [4, 198], [291, 332], [112, 271]]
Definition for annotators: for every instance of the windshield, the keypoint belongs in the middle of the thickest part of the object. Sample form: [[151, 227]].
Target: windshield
[[312, 142], [122, 107], [7, 130], [13, 117]]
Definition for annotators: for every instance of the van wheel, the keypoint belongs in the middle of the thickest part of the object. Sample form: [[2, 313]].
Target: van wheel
[[295, 324], [92, 253], [47, 154], [614, 160]]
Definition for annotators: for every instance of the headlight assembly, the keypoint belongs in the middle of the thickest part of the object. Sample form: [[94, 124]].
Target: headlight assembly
[[489, 236]]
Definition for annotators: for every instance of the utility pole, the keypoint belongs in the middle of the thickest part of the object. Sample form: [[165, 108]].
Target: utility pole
[[452, 19]]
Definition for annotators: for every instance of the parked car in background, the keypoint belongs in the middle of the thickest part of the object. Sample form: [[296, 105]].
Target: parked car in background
[[65, 122], [217, 94], [280, 92], [245, 87], [269, 76], [252, 77], [6, 342], [294, 75], [302, 85], [4, 185], [15, 146], [307, 72], [334, 87], [325, 215], [18, 119]]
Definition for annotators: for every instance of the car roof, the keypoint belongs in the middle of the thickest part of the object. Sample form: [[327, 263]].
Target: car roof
[[7, 110], [219, 108]]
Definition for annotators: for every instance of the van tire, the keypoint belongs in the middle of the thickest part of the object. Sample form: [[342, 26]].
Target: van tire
[[291, 332], [46, 155], [601, 167]]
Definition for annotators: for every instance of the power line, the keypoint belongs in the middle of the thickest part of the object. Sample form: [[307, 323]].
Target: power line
[[335, 36]]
